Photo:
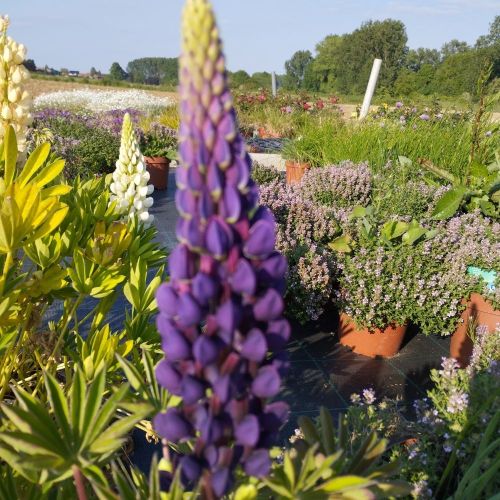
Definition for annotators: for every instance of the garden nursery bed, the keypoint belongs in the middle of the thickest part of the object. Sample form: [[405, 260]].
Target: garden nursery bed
[[179, 321]]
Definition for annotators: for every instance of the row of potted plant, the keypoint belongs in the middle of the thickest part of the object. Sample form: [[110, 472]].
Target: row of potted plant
[[383, 274]]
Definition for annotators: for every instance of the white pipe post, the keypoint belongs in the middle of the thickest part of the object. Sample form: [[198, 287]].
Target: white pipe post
[[370, 88], [273, 83]]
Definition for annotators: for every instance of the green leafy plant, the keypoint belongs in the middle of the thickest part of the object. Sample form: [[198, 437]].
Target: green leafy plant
[[321, 464], [76, 433]]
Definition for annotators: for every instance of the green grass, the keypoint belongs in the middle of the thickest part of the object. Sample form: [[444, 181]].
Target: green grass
[[446, 145]]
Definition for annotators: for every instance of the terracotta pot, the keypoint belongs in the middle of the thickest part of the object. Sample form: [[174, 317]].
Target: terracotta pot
[[384, 343], [158, 168], [295, 171], [482, 313]]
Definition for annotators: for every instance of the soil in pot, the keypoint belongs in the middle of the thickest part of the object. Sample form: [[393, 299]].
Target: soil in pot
[[384, 343], [295, 170], [478, 312], [158, 168]]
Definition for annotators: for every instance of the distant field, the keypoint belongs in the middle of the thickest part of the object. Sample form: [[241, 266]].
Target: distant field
[[37, 86], [43, 86]]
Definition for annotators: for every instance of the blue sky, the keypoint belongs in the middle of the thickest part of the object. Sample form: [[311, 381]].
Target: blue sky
[[258, 34]]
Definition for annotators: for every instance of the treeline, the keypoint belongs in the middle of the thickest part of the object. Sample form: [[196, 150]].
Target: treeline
[[342, 63], [148, 70]]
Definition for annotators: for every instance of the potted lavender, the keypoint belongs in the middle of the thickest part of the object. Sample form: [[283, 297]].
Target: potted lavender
[[158, 146]]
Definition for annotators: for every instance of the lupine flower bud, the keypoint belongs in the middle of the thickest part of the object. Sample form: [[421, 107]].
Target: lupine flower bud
[[220, 315], [14, 102], [130, 188]]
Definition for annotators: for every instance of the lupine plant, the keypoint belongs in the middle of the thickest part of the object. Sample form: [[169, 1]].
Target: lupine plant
[[130, 188], [16, 101], [220, 317]]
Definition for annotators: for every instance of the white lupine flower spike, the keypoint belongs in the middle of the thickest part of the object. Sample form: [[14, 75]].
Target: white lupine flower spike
[[130, 188], [15, 101]]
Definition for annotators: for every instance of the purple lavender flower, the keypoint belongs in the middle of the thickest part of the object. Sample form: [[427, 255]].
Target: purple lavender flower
[[399, 105], [425, 117], [221, 313]]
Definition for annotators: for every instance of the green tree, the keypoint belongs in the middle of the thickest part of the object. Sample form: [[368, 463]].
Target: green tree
[[116, 72], [454, 47], [238, 78], [154, 70], [375, 39], [324, 65], [296, 68], [261, 79], [492, 38], [417, 58]]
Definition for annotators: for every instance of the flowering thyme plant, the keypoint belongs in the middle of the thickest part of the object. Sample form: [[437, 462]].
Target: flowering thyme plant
[[221, 313], [130, 188]]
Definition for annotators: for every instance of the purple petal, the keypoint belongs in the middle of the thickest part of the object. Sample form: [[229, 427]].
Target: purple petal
[[168, 377], [218, 238], [269, 306], [278, 334], [172, 426], [228, 318], [181, 263], [275, 415], [192, 390], [194, 178], [261, 240], [267, 382], [274, 267], [205, 205], [221, 482], [214, 181], [190, 469], [231, 204], [247, 431], [243, 279], [189, 311], [190, 233], [255, 346], [185, 202], [258, 464], [205, 350], [174, 344], [166, 298], [222, 388], [204, 288], [222, 153]]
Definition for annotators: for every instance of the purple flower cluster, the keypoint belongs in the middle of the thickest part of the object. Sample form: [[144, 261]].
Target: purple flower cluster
[[220, 318], [343, 185], [304, 228]]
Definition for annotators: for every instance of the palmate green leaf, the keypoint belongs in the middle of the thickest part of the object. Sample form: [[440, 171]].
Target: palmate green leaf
[[131, 373], [49, 173], [309, 430], [35, 160], [115, 434], [323, 471], [327, 430], [28, 443], [92, 405], [78, 404], [277, 488], [393, 488], [13, 459], [345, 483], [106, 413], [59, 406], [9, 155], [449, 203], [39, 419], [289, 469]]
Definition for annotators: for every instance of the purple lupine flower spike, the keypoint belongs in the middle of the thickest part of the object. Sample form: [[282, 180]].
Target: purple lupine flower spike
[[220, 317]]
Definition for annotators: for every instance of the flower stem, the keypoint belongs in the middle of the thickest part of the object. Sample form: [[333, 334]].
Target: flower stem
[[79, 483]]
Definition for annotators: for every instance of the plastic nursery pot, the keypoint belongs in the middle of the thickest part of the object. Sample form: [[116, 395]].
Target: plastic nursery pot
[[158, 168], [383, 343], [295, 170], [482, 313]]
